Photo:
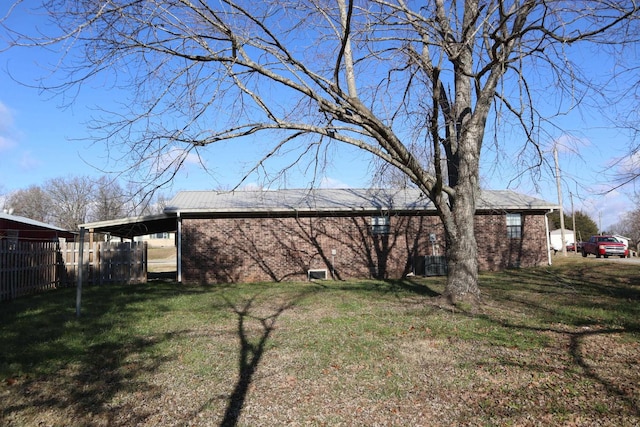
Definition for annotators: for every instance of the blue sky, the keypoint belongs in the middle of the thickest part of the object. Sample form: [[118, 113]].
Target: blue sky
[[41, 137]]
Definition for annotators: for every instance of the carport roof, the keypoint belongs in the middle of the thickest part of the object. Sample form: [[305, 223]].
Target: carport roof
[[135, 226]]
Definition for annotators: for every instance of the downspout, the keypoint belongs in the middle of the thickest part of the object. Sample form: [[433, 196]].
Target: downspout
[[179, 249], [546, 226]]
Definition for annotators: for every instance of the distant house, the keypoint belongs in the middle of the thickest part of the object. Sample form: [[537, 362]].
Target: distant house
[[626, 241], [158, 240], [14, 227], [246, 236], [555, 237]]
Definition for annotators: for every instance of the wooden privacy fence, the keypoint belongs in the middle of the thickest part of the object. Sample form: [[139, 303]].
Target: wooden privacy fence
[[105, 263], [27, 267]]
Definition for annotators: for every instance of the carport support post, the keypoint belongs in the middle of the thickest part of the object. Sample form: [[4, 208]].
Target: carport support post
[[179, 249], [80, 268]]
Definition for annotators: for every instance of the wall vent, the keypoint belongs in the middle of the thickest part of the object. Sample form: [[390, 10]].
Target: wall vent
[[320, 274]]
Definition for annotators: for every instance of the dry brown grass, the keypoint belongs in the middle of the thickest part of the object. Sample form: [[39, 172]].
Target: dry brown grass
[[548, 346], [161, 253]]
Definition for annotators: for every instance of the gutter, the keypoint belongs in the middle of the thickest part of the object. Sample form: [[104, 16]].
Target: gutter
[[546, 226], [179, 247]]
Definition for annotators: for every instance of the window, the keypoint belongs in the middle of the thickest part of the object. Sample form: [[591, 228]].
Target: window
[[514, 226], [380, 225]]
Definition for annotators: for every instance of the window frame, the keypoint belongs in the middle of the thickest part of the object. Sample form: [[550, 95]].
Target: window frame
[[514, 225], [380, 225]]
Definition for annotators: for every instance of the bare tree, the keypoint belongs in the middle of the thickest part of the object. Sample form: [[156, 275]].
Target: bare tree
[[71, 200], [109, 200], [141, 202], [387, 76], [32, 202], [628, 226]]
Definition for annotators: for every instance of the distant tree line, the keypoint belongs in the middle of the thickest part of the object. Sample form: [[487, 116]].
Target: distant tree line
[[585, 226], [629, 225], [67, 202]]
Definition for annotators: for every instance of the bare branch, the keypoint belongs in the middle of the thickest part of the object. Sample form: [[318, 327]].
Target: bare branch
[[421, 81]]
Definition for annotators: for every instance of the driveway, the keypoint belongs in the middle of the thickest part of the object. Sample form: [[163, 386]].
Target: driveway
[[632, 260]]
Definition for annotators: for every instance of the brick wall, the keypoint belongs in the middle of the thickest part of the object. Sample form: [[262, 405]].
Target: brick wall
[[276, 248], [497, 252]]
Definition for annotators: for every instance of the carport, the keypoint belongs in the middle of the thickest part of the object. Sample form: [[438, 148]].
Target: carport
[[128, 228]]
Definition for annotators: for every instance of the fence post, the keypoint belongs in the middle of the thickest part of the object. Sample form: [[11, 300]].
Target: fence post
[[99, 267], [80, 265], [145, 259]]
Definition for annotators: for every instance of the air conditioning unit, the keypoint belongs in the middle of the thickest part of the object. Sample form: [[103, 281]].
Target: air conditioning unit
[[319, 274]]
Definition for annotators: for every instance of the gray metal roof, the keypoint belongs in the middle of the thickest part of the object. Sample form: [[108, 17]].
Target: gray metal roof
[[333, 200], [301, 200]]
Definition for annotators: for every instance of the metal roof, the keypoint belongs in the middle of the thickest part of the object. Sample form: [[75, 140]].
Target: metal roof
[[333, 200], [29, 221], [300, 200], [510, 200]]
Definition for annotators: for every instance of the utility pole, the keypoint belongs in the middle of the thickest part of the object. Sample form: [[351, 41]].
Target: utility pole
[[573, 218], [558, 182], [600, 222]]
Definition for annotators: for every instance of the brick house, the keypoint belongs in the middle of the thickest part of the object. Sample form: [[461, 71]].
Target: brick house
[[246, 236]]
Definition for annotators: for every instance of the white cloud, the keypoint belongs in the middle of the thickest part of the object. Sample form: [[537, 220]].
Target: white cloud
[[7, 141], [327, 182], [178, 155], [28, 162], [6, 118], [567, 143], [627, 165], [606, 209], [251, 186]]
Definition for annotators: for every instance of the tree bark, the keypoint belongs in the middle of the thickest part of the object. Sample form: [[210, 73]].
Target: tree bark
[[462, 253]]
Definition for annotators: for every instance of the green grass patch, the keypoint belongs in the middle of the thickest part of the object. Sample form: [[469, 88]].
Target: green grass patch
[[365, 352]]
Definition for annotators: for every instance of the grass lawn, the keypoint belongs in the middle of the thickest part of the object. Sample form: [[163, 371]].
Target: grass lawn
[[548, 346]]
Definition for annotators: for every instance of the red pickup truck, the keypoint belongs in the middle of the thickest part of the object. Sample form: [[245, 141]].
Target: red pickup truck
[[604, 246]]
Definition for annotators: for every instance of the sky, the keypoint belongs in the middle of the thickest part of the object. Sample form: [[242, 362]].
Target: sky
[[44, 136]]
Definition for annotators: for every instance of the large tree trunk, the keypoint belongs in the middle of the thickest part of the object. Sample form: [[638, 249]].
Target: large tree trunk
[[462, 253], [457, 212]]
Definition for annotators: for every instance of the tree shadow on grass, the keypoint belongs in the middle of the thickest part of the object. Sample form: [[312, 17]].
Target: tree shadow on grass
[[112, 370], [583, 363], [250, 355], [592, 313], [582, 289], [576, 349], [399, 288], [52, 362], [251, 317], [573, 374], [251, 349]]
